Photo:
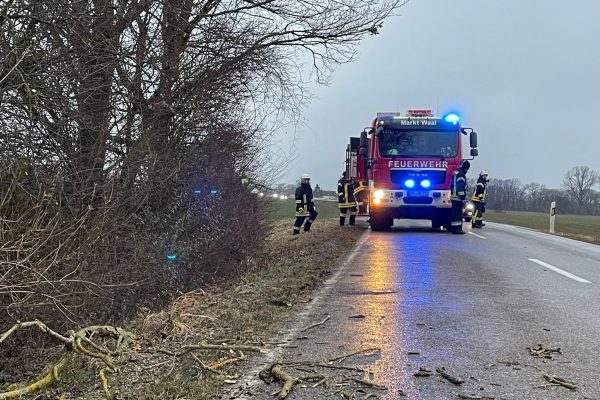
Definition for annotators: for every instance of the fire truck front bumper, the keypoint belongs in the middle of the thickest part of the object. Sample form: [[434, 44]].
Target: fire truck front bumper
[[381, 198]]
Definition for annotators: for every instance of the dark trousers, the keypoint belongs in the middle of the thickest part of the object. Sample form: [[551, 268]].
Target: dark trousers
[[478, 214], [457, 215], [343, 212], [299, 220]]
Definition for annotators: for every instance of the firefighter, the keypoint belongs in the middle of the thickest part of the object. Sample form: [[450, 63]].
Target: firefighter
[[479, 197], [360, 194], [346, 200], [305, 207], [458, 196]]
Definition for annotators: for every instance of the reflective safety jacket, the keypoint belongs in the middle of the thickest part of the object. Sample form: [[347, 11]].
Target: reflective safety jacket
[[346, 194], [458, 186], [359, 187], [480, 191], [304, 200]]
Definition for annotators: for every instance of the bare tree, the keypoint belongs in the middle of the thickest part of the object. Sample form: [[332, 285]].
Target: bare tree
[[578, 183], [125, 128]]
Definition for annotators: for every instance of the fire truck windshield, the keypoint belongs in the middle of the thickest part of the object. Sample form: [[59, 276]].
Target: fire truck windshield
[[417, 143]]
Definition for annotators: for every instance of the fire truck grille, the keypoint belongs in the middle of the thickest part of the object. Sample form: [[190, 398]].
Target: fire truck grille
[[399, 176]]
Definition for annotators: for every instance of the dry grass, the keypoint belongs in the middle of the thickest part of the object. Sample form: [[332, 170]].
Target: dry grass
[[579, 227], [247, 311]]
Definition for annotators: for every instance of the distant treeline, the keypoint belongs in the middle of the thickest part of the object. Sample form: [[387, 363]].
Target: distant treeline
[[576, 195]]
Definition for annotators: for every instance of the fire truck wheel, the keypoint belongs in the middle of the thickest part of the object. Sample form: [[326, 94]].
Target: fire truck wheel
[[380, 222]]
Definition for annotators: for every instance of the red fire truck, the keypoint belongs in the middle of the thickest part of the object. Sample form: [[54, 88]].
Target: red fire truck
[[407, 162]]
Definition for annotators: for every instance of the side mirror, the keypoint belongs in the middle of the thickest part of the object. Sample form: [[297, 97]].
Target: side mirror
[[474, 152], [363, 139], [362, 152], [473, 139], [378, 130]]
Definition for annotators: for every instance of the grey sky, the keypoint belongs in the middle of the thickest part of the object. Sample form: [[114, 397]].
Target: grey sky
[[524, 73]]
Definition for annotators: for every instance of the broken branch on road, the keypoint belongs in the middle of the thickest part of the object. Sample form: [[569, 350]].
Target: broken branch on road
[[317, 324], [448, 377]]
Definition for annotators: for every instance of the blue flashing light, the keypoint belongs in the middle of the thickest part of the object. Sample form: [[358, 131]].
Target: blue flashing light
[[171, 257], [426, 183], [452, 118], [214, 192], [409, 183], [197, 191]]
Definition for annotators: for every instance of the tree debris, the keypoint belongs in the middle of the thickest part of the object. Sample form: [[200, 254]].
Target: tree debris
[[423, 372], [276, 372], [75, 343], [317, 324], [540, 351], [561, 381], [447, 376], [342, 358]]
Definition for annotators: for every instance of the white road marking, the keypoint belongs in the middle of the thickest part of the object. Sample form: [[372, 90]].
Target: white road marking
[[475, 234], [560, 271]]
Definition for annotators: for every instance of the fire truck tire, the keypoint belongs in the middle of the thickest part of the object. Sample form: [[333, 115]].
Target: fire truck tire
[[380, 222]]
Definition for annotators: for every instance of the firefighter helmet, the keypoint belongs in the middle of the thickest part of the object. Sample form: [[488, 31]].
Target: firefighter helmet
[[483, 172], [305, 178]]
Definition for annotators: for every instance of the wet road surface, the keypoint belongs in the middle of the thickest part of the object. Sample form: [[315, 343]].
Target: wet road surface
[[472, 304]]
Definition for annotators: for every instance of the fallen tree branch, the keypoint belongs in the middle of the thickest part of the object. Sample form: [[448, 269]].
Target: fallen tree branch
[[560, 381], [282, 376], [74, 344]]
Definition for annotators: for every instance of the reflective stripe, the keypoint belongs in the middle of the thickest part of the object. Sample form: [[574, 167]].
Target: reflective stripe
[[298, 201], [296, 228], [353, 213], [305, 201], [343, 215], [455, 223], [310, 221]]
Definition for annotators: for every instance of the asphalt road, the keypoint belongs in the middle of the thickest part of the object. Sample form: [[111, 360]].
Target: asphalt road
[[472, 304]]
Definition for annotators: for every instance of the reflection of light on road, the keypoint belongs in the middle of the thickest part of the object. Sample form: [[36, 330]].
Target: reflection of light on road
[[395, 290]]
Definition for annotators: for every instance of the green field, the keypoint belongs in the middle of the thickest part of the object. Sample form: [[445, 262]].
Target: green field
[[577, 226], [281, 209]]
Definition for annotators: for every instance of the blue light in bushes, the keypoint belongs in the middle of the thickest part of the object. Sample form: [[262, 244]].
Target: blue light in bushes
[[171, 257], [197, 191], [214, 192]]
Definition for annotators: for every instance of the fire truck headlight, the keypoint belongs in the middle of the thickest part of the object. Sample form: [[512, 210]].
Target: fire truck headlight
[[426, 183], [452, 118], [409, 183], [376, 201], [378, 194], [469, 206]]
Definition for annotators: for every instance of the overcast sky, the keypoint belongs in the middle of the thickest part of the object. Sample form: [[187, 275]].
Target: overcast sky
[[525, 74]]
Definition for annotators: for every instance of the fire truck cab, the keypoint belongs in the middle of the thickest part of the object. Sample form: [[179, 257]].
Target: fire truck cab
[[407, 162]]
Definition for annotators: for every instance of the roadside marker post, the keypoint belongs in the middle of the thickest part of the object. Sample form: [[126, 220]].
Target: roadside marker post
[[552, 216]]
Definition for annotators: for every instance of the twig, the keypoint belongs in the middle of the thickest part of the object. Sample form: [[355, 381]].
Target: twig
[[453, 379], [317, 324], [369, 384], [561, 381], [355, 353]]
